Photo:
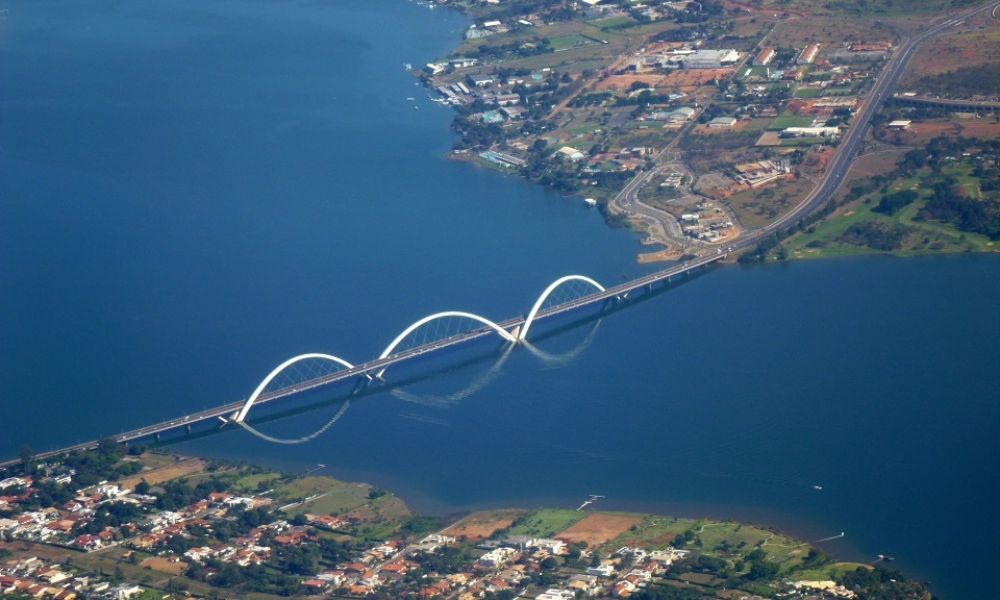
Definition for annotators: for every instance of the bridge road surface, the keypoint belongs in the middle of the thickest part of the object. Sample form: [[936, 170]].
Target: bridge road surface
[[365, 369], [819, 196]]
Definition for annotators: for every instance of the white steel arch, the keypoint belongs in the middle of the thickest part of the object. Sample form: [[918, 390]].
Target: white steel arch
[[443, 315], [523, 334], [277, 371]]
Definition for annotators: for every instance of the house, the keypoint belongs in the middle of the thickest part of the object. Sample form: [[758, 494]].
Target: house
[[588, 584], [810, 132], [624, 588], [569, 152], [481, 81], [684, 113], [808, 55], [899, 125], [499, 556], [604, 570], [463, 62], [764, 57], [508, 99], [513, 112], [722, 122], [556, 594]]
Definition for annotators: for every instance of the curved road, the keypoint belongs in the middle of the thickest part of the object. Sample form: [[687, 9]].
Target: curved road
[[627, 199]]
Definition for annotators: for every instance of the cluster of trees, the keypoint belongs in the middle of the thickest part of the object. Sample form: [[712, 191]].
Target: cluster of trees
[[178, 494], [967, 214], [881, 584], [964, 82], [111, 514], [102, 464], [515, 48], [892, 203], [252, 578], [876, 234]]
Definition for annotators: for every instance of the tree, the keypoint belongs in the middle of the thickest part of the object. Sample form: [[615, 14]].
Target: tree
[[27, 456]]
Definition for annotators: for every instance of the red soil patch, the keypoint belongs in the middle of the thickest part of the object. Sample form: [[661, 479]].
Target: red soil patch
[[624, 82], [599, 528], [693, 78], [481, 525]]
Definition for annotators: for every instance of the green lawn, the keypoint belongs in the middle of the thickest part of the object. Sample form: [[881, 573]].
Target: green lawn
[[655, 532], [249, 483], [564, 42], [614, 22], [808, 92], [546, 522], [789, 120], [837, 91], [336, 496]]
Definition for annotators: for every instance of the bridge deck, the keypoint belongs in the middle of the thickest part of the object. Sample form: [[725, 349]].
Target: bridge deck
[[372, 366]]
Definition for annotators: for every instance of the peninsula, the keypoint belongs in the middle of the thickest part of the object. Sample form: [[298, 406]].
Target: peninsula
[[725, 125]]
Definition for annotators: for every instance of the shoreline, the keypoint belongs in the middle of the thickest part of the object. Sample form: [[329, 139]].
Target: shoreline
[[663, 231], [360, 521]]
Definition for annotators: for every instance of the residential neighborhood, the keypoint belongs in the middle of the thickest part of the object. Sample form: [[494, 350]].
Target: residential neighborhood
[[184, 527]]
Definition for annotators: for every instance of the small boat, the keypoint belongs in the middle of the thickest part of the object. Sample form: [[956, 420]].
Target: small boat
[[408, 66], [818, 487], [590, 201], [410, 98]]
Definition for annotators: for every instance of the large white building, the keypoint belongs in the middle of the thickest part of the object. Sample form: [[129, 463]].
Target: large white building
[[710, 59]]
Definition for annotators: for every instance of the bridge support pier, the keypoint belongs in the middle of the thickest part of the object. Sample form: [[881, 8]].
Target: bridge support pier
[[188, 428], [156, 436]]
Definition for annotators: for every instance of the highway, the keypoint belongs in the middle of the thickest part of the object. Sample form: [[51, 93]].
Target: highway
[[367, 369], [851, 143], [627, 199]]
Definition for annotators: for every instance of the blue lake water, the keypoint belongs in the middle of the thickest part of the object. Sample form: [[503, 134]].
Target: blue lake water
[[192, 192]]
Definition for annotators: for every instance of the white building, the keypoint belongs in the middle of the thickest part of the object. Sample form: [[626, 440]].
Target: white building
[[499, 556], [571, 153], [710, 59]]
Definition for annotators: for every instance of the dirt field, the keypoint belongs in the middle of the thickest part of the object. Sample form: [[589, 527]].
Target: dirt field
[[599, 528], [830, 31], [876, 163], [164, 565], [945, 53], [482, 525], [690, 79], [623, 82], [187, 466], [921, 133], [661, 256]]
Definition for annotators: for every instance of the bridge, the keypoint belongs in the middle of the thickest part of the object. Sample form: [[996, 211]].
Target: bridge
[[512, 331], [515, 330]]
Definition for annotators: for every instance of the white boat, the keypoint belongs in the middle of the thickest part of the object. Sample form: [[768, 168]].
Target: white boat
[[590, 201]]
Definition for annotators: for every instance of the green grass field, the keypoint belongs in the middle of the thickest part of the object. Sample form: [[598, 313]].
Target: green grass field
[[823, 241], [546, 522], [789, 120], [565, 42], [614, 23], [655, 532], [807, 92], [335, 496]]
